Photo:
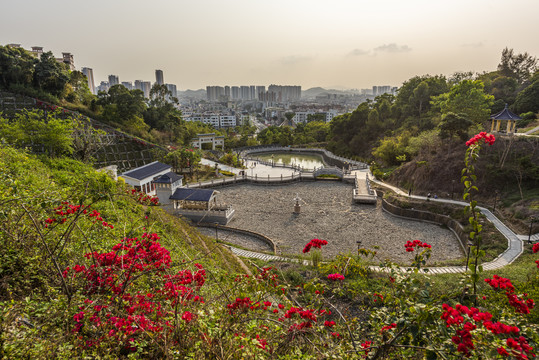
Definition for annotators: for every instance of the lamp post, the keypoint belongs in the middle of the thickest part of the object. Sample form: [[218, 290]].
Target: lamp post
[[532, 220], [358, 246], [470, 244], [495, 200]]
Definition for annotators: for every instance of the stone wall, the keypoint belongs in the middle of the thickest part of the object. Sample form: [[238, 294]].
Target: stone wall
[[259, 236], [427, 216]]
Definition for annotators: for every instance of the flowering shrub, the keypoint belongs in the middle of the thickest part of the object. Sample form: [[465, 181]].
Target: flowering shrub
[[410, 245], [316, 243], [335, 277], [488, 138]]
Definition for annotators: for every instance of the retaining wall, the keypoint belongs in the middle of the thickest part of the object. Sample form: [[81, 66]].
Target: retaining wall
[[259, 236], [428, 216]]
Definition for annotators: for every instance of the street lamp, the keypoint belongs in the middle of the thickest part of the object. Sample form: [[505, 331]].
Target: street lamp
[[532, 220], [495, 200], [358, 242]]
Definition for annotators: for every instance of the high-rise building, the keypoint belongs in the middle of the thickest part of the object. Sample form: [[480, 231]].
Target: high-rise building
[[89, 75], [146, 87], [37, 51], [244, 92], [67, 58], [172, 89], [128, 85], [227, 91], [103, 86], [159, 77], [260, 92], [235, 92], [214, 93], [284, 93], [114, 80], [252, 92], [138, 84]]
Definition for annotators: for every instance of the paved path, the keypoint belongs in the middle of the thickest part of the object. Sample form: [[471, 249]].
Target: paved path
[[261, 256], [514, 243]]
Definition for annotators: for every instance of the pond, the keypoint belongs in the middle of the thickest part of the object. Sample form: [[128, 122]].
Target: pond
[[307, 161]]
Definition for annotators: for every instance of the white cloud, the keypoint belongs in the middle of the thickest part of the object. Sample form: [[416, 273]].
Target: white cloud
[[358, 52], [393, 48]]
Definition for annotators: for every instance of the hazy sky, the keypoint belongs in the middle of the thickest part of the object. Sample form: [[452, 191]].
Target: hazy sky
[[345, 43]]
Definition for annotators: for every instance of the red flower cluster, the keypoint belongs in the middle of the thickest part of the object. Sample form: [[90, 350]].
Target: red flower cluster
[[410, 245], [521, 305], [335, 277], [388, 327], [519, 348], [64, 211], [489, 139], [143, 198], [316, 243], [463, 338], [535, 249], [125, 315], [329, 323]]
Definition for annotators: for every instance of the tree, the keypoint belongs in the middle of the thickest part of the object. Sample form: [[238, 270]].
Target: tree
[[122, 105], [518, 66], [50, 75], [183, 158], [528, 99], [39, 130], [77, 90], [16, 66], [455, 125], [466, 97]]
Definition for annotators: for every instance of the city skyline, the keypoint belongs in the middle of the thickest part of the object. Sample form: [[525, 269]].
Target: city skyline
[[342, 44]]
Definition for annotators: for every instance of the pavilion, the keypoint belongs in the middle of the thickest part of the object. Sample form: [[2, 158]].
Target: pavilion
[[499, 118]]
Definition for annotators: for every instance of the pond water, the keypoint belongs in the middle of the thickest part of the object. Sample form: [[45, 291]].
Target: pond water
[[307, 161]]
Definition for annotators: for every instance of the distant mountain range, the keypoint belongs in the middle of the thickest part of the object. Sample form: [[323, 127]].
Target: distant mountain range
[[200, 93], [315, 91]]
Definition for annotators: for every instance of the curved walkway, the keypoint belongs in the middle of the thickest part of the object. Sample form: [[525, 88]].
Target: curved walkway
[[514, 249]]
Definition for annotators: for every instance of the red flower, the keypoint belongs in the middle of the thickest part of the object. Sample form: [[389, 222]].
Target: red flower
[[335, 277], [317, 243], [187, 316], [489, 139], [535, 248]]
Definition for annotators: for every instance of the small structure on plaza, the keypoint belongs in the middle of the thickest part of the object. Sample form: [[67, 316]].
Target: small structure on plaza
[[505, 115], [166, 184], [215, 140], [297, 206], [200, 205], [157, 179], [142, 178]]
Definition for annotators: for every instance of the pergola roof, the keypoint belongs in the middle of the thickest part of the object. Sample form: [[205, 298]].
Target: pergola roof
[[506, 114], [146, 171], [168, 178], [192, 194]]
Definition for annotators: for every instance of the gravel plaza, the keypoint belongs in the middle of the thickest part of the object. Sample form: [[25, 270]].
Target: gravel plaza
[[327, 212]]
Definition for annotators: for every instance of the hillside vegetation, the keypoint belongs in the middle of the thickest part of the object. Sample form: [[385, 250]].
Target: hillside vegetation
[[92, 269]]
